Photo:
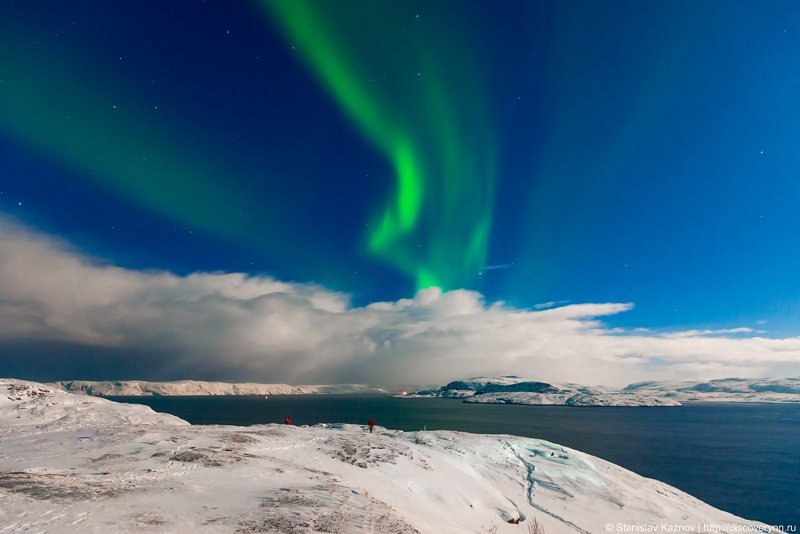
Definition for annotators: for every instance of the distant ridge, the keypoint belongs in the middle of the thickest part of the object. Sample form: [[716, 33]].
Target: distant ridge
[[138, 388], [517, 390]]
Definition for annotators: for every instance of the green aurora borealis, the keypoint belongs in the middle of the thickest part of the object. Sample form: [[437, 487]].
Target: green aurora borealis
[[412, 91], [415, 93], [530, 151], [72, 121]]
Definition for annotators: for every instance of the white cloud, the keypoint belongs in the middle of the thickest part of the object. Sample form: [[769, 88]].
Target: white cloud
[[549, 304], [719, 332], [237, 327]]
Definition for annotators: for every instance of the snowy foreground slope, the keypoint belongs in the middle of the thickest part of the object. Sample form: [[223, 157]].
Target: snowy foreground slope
[[76, 463], [516, 390], [195, 387]]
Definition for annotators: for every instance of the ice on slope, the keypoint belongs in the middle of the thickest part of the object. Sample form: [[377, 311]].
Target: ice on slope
[[71, 462]]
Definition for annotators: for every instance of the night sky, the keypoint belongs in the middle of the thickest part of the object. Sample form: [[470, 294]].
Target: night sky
[[534, 152]]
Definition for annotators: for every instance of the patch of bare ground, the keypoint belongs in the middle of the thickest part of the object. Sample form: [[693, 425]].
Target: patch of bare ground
[[327, 507], [208, 457], [62, 488]]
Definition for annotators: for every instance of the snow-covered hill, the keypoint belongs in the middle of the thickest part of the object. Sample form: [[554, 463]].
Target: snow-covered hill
[[724, 390], [195, 387], [573, 398], [71, 462], [516, 390]]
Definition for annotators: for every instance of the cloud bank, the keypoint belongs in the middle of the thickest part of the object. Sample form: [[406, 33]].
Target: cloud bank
[[60, 307]]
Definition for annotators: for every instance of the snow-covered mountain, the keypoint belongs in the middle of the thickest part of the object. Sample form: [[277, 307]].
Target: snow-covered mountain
[[724, 390], [500, 390], [71, 462], [195, 387], [517, 390], [573, 398]]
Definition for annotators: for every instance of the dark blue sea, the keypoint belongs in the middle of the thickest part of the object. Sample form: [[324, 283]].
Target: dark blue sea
[[743, 458]]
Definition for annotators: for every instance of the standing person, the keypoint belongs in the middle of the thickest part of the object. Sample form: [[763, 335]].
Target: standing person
[[287, 421], [371, 424]]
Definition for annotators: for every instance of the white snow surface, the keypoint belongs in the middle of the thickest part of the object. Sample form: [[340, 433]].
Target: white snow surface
[[75, 463], [196, 387]]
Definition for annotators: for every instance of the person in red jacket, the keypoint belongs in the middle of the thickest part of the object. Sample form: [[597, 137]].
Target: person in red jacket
[[287, 421], [371, 424]]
